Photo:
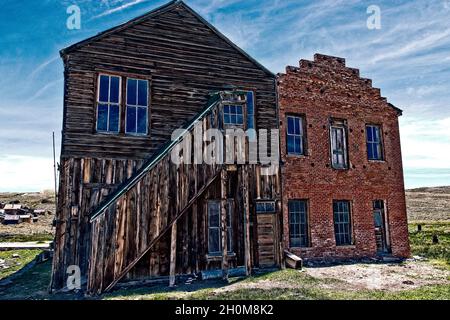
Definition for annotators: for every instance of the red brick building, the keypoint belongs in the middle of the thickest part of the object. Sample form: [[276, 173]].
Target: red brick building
[[342, 176]]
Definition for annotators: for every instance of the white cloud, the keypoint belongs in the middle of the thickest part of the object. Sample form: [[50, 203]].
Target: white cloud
[[22, 173], [425, 144], [118, 9]]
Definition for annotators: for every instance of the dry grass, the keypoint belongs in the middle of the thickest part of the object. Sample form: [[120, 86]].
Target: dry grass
[[428, 204]]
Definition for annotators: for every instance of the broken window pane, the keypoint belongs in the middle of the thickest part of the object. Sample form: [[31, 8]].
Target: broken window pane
[[339, 147]]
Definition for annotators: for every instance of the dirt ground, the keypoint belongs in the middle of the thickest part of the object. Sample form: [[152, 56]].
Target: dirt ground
[[386, 276]]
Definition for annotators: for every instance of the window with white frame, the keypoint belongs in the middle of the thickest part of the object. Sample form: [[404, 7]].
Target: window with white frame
[[137, 107], [233, 115], [108, 103], [295, 135], [374, 143]]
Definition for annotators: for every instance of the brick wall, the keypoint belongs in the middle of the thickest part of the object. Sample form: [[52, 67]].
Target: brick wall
[[319, 90]]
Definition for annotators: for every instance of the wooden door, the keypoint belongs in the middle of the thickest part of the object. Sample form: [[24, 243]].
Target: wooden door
[[267, 253]]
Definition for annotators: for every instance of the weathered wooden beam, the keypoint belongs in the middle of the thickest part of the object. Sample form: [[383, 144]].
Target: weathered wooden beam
[[173, 255], [223, 215], [292, 261], [245, 192], [168, 227]]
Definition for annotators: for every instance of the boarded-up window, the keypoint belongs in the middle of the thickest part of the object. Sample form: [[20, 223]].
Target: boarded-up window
[[298, 223], [338, 137], [108, 103], [374, 142], [137, 106], [342, 223], [214, 228], [295, 135]]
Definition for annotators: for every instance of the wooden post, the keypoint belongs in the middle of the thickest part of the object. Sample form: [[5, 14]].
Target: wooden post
[[223, 215], [258, 181], [246, 220], [195, 245], [173, 255]]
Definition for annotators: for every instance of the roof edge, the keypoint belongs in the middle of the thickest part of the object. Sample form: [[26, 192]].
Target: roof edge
[[155, 12]]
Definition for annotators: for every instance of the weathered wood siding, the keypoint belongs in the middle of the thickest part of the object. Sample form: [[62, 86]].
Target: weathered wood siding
[[181, 57], [184, 60]]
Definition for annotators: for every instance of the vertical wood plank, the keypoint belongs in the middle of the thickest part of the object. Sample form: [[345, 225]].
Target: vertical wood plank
[[173, 255], [223, 215]]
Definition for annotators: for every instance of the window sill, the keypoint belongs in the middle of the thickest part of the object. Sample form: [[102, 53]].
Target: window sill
[[218, 257], [107, 133], [302, 248], [136, 134], [340, 169], [376, 161], [121, 134], [296, 156]]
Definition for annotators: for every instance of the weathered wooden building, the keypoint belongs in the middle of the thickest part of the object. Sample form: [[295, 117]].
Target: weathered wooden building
[[136, 204], [126, 211]]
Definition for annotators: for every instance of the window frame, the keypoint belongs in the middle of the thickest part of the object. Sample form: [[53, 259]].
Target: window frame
[[381, 142], [307, 225], [230, 227], [247, 117], [137, 106], [98, 102], [265, 202], [244, 116], [303, 135], [340, 124], [349, 222]]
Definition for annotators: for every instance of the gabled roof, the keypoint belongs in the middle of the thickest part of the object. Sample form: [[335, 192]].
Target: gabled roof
[[156, 12]]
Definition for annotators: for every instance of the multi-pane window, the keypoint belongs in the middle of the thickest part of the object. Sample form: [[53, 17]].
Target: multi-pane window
[[108, 103], [265, 206], [295, 135], [214, 228], [342, 223], [298, 223], [137, 106], [374, 144], [338, 145], [233, 115]]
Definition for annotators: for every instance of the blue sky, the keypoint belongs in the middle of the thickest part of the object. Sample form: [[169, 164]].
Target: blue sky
[[408, 58]]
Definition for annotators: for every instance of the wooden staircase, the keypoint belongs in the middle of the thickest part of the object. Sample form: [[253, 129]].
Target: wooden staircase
[[135, 217]]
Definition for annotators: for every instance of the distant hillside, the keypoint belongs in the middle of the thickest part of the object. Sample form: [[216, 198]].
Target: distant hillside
[[428, 203]]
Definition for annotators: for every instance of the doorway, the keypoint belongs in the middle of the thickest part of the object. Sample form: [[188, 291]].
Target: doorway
[[381, 227]]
